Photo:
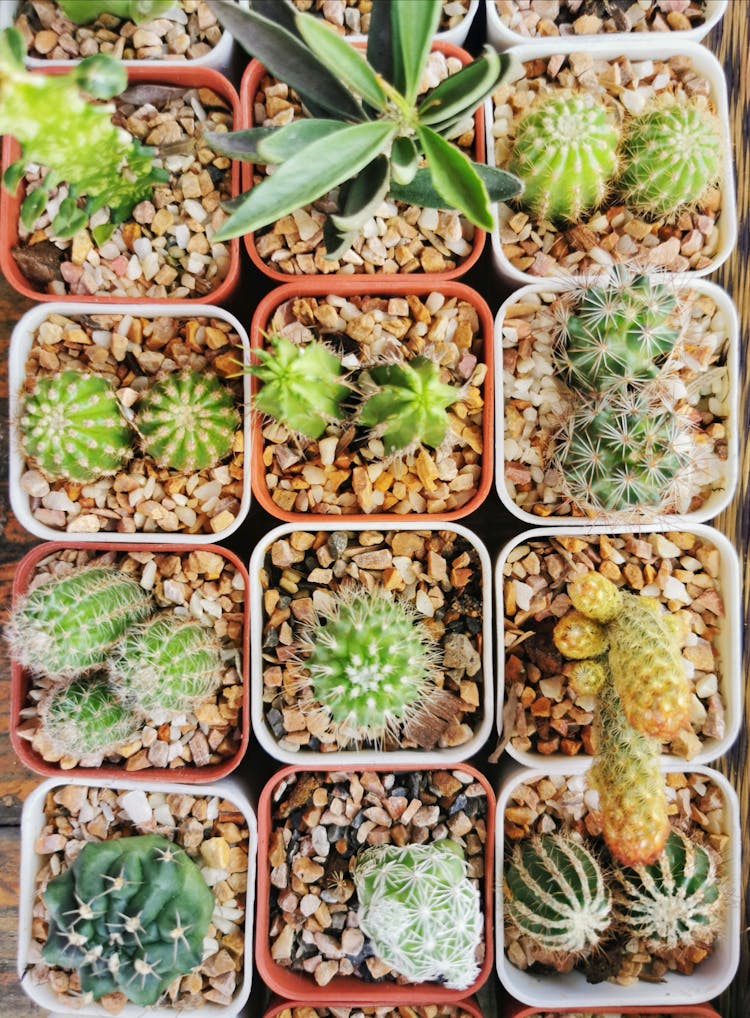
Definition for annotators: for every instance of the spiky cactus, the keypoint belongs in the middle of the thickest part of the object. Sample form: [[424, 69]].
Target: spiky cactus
[[671, 156], [187, 421], [166, 665], [555, 894], [565, 152], [302, 386], [85, 717], [410, 404], [595, 596], [84, 11], [69, 625], [71, 426], [675, 902], [577, 636], [421, 912], [129, 915]]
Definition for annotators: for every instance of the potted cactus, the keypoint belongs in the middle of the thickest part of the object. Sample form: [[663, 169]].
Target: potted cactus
[[515, 1010], [297, 1009]]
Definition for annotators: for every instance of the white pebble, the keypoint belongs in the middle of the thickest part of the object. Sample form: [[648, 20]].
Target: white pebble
[[136, 805]]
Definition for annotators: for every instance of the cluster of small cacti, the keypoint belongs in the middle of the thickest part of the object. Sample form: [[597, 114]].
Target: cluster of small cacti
[[129, 915], [572, 152]]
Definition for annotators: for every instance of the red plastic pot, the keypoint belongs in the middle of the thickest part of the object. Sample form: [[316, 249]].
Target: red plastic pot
[[470, 1007], [249, 86], [393, 286], [20, 678], [348, 990], [184, 75], [515, 1010]]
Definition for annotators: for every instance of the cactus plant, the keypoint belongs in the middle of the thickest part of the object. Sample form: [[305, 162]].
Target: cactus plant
[[129, 915], [69, 625], [555, 894], [421, 911], [165, 665], [565, 153], [84, 716], [187, 421], [672, 155], [409, 405], [302, 385], [71, 426], [84, 11], [577, 636]]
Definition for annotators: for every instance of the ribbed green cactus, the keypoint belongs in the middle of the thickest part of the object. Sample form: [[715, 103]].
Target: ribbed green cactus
[[421, 911], [166, 664], [565, 152], [302, 385], [128, 916], [85, 717], [555, 893], [69, 625], [675, 902], [410, 404], [187, 421], [671, 156], [71, 426]]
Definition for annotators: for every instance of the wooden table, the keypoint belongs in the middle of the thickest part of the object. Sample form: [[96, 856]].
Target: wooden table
[[731, 42]]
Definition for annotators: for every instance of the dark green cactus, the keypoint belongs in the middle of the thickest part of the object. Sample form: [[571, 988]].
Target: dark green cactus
[[86, 717]]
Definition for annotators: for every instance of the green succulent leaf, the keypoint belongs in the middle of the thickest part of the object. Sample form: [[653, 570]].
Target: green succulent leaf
[[455, 178], [364, 193], [336, 242], [12, 49], [32, 207], [84, 11], [334, 51], [69, 219], [500, 185], [404, 160], [13, 175], [271, 144], [461, 93], [101, 75], [414, 26], [380, 50], [280, 11]]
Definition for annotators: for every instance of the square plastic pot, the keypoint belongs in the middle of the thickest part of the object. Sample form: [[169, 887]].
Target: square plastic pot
[[21, 342], [469, 1007], [20, 683], [718, 499], [393, 286], [639, 47], [729, 645], [32, 824], [361, 759], [456, 36], [348, 990], [186, 76], [549, 992], [515, 1010]]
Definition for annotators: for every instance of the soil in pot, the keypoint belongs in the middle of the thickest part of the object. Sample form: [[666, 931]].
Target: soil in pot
[[410, 1011], [352, 17], [681, 570], [214, 833], [436, 573], [142, 496], [549, 18], [198, 585]]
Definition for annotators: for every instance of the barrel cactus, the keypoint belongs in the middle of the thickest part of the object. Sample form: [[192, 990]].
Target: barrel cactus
[[71, 426], [85, 716], [129, 916]]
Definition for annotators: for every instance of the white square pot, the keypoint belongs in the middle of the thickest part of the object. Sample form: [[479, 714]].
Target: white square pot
[[456, 35]]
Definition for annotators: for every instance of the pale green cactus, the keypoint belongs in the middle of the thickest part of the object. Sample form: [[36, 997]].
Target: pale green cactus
[[86, 717]]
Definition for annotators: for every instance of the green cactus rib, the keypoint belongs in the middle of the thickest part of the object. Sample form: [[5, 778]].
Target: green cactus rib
[[84, 11], [86, 717], [421, 912], [71, 426], [128, 916]]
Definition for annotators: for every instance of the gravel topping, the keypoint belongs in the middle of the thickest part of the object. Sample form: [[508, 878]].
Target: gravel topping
[[404, 1011], [545, 18], [352, 17]]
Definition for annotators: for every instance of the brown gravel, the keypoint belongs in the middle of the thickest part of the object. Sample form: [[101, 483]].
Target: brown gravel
[[549, 18], [199, 585], [210, 829], [403, 1011], [678, 568], [352, 17]]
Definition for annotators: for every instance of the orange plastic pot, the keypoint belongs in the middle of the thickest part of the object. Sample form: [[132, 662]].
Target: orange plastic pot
[[515, 1010], [348, 990], [249, 86], [20, 678], [184, 75], [392, 286], [280, 1006]]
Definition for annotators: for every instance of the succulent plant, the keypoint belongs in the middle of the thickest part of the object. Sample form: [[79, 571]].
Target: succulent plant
[[368, 129], [671, 156], [129, 915], [577, 636], [69, 625], [84, 11], [187, 421], [71, 426], [409, 405], [565, 152], [421, 911], [165, 665], [302, 386], [595, 596], [84, 716], [555, 894]]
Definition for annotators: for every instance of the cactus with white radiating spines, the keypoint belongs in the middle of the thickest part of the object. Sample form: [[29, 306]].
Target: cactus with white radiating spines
[[577, 636], [85, 717], [71, 426]]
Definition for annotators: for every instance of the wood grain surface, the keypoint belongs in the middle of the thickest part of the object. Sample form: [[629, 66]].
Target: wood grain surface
[[730, 41]]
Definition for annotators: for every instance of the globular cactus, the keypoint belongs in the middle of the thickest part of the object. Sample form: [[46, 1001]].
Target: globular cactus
[[675, 902], [586, 677], [85, 717], [166, 665], [671, 156], [71, 426], [595, 596], [577, 636], [555, 894], [187, 421], [128, 916], [565, 152], [84, 11], [421, 911], [69, 625], [409, 405], [302, 386]]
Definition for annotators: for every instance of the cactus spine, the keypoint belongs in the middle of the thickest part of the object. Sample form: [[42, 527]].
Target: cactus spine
[[85, 717]]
